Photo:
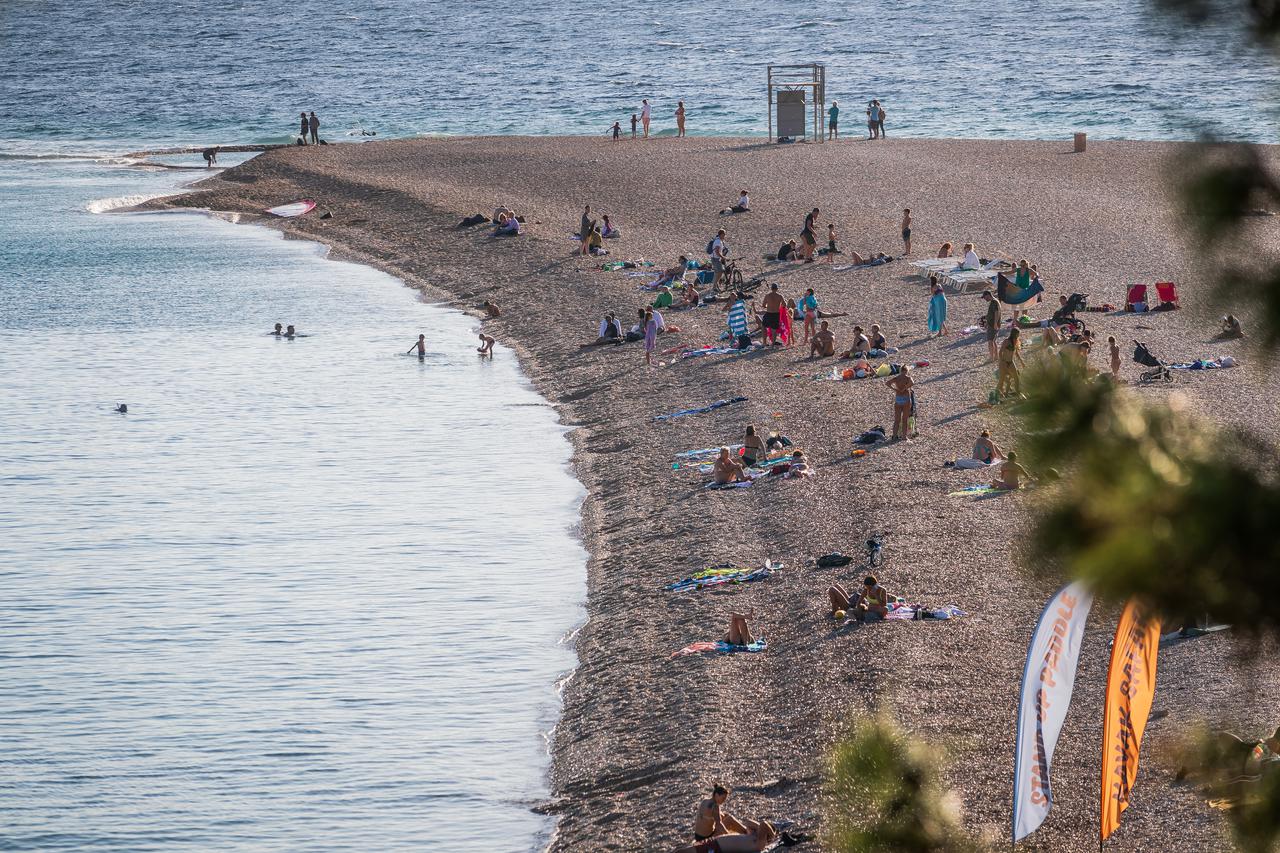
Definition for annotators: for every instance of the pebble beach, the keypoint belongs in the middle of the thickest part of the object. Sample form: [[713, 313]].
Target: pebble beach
[[644, 735]]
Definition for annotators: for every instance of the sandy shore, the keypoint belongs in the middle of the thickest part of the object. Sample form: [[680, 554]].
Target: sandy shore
[[643, 735]]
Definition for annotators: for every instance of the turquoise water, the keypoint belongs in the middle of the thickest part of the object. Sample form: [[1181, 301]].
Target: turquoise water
[[302, 596], [115, 76]]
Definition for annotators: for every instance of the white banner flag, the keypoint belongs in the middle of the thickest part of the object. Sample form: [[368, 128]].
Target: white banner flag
[[1047, 682]]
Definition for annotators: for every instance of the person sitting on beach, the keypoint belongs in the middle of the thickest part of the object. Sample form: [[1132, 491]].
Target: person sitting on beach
[[711, 819], [594, 242], [872, 600], [1011, 473], [753, 449], [985, 450], [490, 309], [861, 346], [692, 298], [877, 339], [210, 156], [486, 346], [971, 260], [824, 343], [1230, 328], [664, 298], [502, 212], [759, 836], [799, 465], [676, 272], [277, 331], [610, 332], [609, 230], [945, 251], [420, 346], [657, 318], [507, 225], [743, 205], [726, 469], [788, 251]]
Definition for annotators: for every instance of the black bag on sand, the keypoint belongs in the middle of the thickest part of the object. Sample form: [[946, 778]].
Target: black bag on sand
[[634, 336], [744, 342], [833, 560]]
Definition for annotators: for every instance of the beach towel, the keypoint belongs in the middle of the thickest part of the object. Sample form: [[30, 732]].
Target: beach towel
[[737, 319], [710, 350], [739, 485], [873, 262], [972, 491], [707, 408], [720, 577], [720, 647], [902, 612], [937, 312], [969, 463], [1205, 363], [1011, 294], [706, 452]]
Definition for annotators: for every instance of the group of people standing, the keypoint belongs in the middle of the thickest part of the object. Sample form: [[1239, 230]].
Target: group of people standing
[[875, 120], [308, 127], [640, 121]]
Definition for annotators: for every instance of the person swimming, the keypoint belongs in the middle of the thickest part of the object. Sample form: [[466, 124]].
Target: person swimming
[[122, 409], [277, 331]]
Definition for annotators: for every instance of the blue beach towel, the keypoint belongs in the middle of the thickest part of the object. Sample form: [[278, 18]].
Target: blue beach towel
[[737, 319], [710, 407], [937, 312]]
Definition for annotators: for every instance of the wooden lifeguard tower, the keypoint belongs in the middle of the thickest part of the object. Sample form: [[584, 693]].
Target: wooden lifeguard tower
[[797, 101]]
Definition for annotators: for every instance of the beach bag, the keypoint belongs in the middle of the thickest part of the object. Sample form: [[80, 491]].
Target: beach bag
[[744, 342], [634, 336], [710, 245], [833, 560]]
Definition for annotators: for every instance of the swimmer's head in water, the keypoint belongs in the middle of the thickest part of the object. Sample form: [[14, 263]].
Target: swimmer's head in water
[[122, 408], [278, 327]]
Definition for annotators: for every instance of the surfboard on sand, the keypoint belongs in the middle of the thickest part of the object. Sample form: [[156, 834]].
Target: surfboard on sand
[[297, 208]]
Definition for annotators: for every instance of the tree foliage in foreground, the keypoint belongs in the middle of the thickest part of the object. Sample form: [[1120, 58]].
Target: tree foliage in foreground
[[889, 795]]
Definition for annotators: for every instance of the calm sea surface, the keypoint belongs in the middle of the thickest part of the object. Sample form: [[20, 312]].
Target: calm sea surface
[[304, 595]]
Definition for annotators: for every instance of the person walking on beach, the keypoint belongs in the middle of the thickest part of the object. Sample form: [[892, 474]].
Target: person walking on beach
[[937, 309], [645, 115], [305, 128], [833, 119], [585, 226], [420, 346], [808, 237], [906, 231], [992, 323], [719, 251], [879, 119], [314, 124], [680, 119]]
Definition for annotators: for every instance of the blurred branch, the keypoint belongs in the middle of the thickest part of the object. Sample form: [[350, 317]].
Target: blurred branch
[[1243, 778], [888, 795], [1262, 17]]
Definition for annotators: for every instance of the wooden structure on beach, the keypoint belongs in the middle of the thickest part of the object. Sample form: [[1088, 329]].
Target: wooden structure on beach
[[797, 92]]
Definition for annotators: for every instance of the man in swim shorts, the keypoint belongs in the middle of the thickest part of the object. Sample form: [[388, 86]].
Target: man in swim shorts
[[771, 318], [824, 343], [420, 346], [726, 469], [486, 346], [906, 231]]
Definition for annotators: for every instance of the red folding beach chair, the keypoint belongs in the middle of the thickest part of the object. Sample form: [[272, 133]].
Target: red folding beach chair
[[1168, 293], [1137, 294]]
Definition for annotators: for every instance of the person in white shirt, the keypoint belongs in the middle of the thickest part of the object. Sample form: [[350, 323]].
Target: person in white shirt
[[644, 116], [970, 261]]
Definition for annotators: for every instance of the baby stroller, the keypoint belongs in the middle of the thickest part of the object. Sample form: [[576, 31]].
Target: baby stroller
[[1067, 313], [1143, 356]]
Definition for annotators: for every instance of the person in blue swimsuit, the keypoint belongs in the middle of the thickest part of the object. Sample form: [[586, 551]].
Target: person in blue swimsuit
[[903, 402]]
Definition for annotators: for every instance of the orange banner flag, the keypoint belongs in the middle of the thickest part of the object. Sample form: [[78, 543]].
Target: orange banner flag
[[1131, 687]]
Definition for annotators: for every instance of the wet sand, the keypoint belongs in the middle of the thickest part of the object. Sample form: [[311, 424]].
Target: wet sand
[[643, 736]]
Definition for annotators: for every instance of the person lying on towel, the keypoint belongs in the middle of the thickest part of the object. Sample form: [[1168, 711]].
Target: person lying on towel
[[872, 602]]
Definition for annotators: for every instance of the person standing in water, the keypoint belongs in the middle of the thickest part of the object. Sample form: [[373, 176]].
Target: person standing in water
[[486, 346], [305, 128], [420, 346], [645, 115], [634, 120], [314, 124], [880, 120], [210, 156], [680, 119], [277, 331]]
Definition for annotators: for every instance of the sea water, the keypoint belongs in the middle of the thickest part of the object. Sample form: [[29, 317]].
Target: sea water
[[135, 74], [305, 594]]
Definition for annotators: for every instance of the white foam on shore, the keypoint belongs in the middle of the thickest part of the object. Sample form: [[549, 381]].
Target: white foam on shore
[[104, 205]]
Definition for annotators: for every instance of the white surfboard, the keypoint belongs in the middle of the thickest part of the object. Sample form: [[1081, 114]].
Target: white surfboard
[[297, 208]]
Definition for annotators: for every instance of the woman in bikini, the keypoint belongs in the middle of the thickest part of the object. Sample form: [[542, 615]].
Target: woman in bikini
[[902, 401], [1008, 381], [753, 448]]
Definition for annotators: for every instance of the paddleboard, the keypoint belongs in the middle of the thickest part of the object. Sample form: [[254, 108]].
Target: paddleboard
[[297, 208]]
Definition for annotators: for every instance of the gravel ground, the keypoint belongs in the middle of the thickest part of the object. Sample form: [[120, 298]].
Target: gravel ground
[[642, 735]]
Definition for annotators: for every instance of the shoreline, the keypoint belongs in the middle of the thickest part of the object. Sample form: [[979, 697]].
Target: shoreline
[[640, 736]]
